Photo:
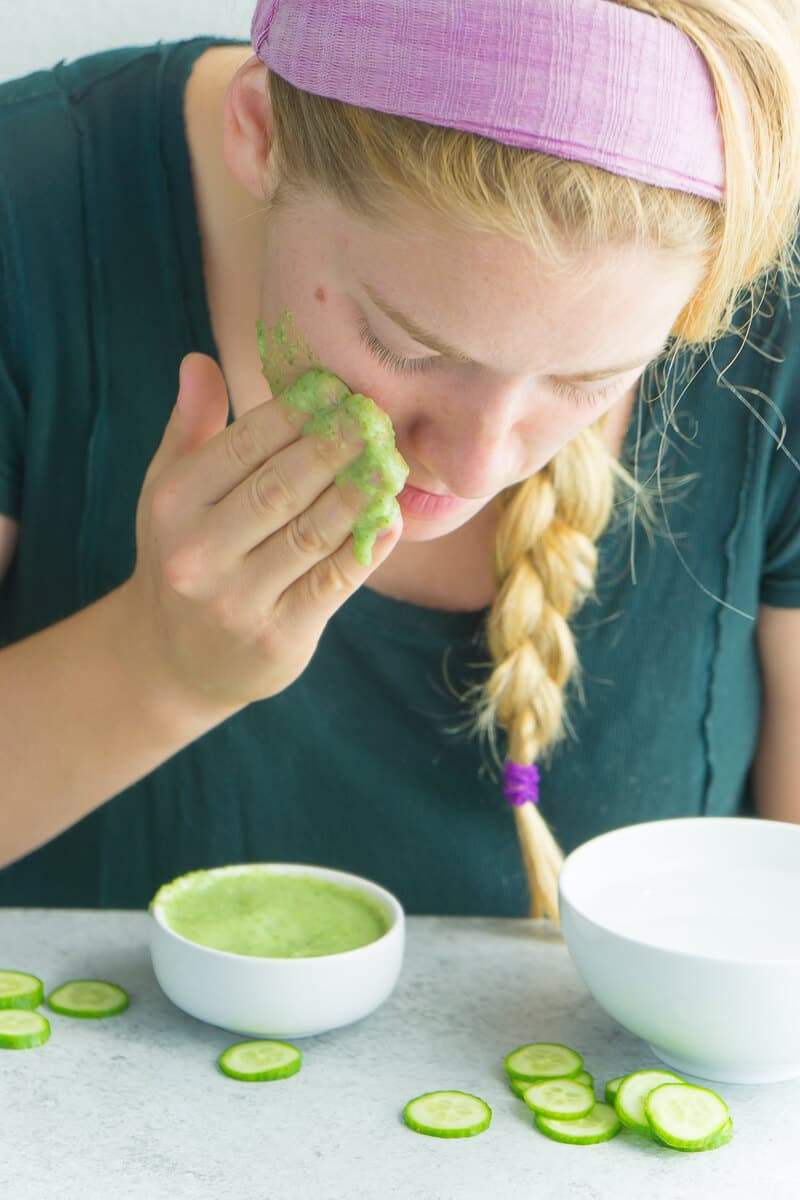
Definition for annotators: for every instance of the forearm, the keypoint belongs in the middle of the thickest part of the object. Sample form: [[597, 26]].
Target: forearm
[[776, 770], [84, 714]]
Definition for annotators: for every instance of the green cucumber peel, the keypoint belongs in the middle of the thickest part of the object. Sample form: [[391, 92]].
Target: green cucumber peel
[[19, 989], [22, 1029], [687, 1117], [543, 1060], [88, 999], [260, 1060], [449, 1114]]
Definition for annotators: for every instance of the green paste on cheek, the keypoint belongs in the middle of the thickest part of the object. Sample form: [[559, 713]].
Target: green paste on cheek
[[280, 349], [271, 914], [380, 471]]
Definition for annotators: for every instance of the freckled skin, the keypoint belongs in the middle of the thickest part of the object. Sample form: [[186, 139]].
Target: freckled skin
[[380, 471]]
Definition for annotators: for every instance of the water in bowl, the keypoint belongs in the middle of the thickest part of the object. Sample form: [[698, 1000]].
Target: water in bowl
[[720, 913]]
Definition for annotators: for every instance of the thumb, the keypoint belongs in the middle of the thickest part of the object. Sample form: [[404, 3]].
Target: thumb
[[200, 412], [202, 405]]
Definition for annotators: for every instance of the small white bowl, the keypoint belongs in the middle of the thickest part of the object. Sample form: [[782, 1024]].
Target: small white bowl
[[687, 932], [280, 997]]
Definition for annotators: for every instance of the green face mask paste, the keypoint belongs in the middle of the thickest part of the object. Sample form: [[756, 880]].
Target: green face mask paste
[[380, 471], [271, 914]]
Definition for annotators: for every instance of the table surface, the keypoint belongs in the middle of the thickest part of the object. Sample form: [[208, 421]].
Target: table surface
[[135, 1106]]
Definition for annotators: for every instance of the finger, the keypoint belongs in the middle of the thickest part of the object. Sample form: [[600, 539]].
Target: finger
[[200, 412], [305, 607], [280, 492], [226, 460], [314, 533]]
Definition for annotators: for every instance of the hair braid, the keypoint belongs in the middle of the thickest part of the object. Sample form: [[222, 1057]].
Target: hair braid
[[367, 161], [545, 563]]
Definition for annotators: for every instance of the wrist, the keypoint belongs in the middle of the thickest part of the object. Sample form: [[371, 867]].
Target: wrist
[[178, 712]]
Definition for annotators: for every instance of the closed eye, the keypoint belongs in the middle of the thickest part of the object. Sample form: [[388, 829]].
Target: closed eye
[[578, 396], [403, 366], [411, 366]]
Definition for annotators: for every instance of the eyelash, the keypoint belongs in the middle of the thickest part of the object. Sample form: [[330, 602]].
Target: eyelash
[[411, 366], [403, 366], [576, 396]]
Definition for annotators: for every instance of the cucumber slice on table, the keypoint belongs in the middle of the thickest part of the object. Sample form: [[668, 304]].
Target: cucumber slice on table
[[92, 998], [721, 1139], [612, 1087], [600, 1125], [20, 1029], [684, 1116], [543, 1060], [520, 1086], [254, 1061], [447, 1114], [18, 989], [565, 1099], [632, 1093]]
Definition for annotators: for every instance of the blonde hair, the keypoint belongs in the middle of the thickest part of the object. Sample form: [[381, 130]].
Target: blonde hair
[[545, 548]]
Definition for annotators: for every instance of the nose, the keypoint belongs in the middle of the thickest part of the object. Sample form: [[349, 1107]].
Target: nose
[[469, 442]]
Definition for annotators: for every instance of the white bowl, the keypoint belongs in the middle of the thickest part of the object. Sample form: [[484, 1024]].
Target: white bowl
[[687, 932], [280, 997]]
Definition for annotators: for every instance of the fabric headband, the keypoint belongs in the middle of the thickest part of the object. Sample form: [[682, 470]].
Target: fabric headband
[[587, 80]]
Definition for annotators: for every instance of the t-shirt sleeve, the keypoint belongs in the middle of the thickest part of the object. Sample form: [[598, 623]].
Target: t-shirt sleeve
[[12, 407], [780, 577]]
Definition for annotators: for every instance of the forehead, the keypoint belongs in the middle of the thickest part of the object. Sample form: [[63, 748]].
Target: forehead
[[504, 305]]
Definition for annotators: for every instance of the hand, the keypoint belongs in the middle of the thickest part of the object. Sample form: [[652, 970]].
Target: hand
[[244, 546]]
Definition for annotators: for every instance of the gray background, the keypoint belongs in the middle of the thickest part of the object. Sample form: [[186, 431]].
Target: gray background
[[38, 35]]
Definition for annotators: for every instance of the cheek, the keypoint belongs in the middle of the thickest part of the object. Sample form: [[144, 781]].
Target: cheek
[[562, 419], [551, 428]]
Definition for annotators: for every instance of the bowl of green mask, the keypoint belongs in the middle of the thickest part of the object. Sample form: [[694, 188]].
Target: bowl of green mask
[[276, 949]]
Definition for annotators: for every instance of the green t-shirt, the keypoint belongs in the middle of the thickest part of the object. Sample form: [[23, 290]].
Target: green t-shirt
[[363, 763]]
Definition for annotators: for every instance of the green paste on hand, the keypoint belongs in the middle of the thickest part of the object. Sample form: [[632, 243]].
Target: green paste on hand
[[380, 471], [270, 914]]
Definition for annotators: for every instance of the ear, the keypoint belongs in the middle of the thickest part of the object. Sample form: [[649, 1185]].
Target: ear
[[248, 128]]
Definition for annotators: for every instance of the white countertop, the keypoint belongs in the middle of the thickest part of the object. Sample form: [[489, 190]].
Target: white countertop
[[135, 1108]]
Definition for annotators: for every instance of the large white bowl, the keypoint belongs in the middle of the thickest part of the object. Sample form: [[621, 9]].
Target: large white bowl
[[687, 932], [280, 997]]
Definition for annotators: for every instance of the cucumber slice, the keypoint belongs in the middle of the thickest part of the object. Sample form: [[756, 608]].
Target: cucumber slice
[[18, 989], [91, 998], [612, 1087], [543, 1060], [520, 1086], [600, 1125], [20, 1029], [254, 1061], [447, 1114], [684, 1116], [631, 1095], [565, 1099], [722, 1138]]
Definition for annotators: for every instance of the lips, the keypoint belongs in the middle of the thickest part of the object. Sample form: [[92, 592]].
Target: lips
[[427, 506]]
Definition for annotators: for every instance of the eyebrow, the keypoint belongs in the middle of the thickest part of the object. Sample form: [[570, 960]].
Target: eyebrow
[[432, 342]]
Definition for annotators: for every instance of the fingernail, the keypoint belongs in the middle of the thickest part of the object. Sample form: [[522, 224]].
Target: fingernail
[[388, 530]]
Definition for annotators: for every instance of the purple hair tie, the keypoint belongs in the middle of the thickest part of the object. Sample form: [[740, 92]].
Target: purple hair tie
[[521, 784]]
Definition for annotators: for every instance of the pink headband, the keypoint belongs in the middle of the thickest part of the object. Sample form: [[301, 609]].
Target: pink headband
[[580, 79]]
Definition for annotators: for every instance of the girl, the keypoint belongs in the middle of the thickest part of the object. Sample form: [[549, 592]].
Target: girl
[[556, 244]]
